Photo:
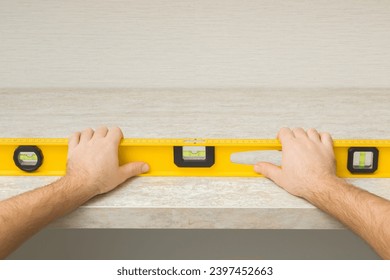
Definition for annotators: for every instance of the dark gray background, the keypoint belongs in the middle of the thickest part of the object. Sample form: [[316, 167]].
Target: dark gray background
[[194, 244]]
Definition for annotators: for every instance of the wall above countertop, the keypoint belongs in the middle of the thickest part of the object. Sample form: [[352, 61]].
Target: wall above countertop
[[194, 44]]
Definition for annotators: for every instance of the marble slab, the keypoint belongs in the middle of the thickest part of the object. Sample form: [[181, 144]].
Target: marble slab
[[173, 202]]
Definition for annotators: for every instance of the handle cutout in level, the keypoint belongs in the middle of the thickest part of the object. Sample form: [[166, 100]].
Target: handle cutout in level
[[194, 156], [253, 157]]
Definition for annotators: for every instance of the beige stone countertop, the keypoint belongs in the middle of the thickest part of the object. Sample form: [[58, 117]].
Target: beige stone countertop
[[189, 202]]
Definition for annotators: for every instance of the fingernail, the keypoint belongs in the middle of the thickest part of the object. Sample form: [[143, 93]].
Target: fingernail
[[145, 168]]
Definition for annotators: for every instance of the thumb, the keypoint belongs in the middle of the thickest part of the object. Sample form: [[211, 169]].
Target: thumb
[[133, 169], [269, 170]]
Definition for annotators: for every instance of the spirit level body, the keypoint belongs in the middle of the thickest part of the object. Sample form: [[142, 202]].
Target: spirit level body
[[159, 154]]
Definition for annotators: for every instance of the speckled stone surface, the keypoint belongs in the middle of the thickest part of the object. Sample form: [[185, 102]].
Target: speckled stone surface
[[170, 202]]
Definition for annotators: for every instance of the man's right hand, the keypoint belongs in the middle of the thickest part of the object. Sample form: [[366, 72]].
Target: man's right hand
[[307, 162]]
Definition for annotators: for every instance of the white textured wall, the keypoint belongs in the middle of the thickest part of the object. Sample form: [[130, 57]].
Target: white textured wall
[[189, 43]]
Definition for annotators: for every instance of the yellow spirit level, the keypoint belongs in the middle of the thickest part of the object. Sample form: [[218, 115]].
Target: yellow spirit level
[[187, 157]]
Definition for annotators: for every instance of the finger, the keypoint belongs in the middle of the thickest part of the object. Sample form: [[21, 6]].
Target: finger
[[285, 134], [299, 132], [74, 140], [133, 169], [313, 135], [269, 170], [101, 132], [115, 134], [86, 135], [326, 139]]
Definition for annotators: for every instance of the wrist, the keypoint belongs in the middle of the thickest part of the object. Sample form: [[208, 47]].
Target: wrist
[[79, 186], [323, 190]]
